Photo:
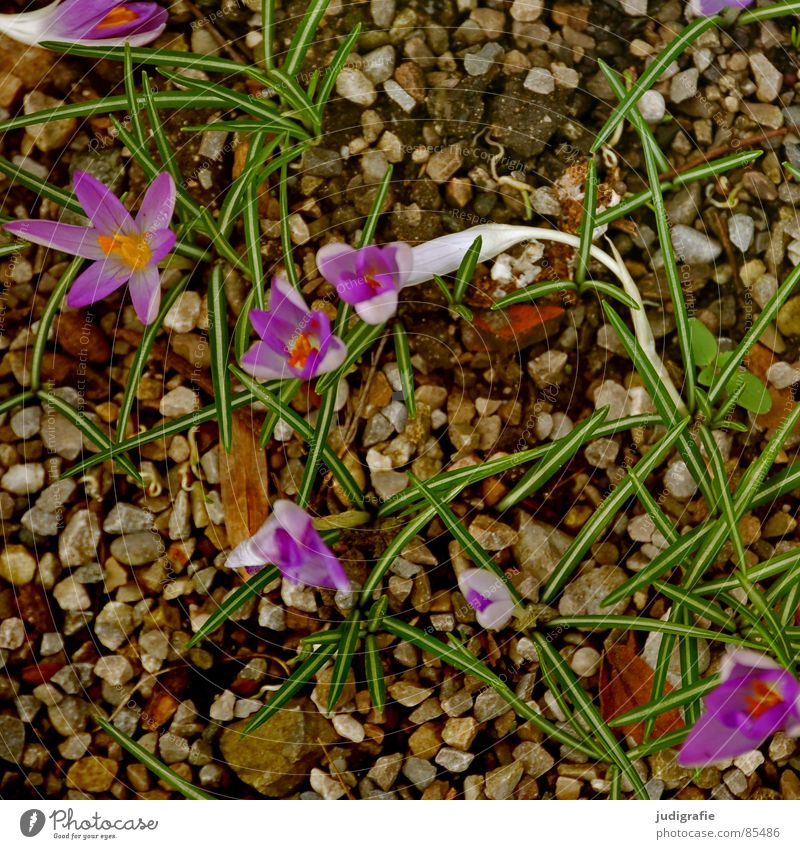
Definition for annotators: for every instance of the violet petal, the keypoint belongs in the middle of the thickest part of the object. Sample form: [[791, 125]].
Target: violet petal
[[69, 238]]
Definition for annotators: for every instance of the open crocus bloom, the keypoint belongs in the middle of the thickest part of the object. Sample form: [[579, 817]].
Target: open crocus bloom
[[756, 698], [488, 596], [98, 22], [289, 541], [125, 250], [295, 341], [368, 278], [706, 8]]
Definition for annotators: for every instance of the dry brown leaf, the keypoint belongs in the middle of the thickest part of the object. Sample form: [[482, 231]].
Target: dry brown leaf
[[626, 682], [243, 478]]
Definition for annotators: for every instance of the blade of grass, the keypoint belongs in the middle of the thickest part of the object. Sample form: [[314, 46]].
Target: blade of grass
[[472, 548], [88, 428], [586, 229], [404, 367], [344, 657], [302, 427], [358, 340], [218, 345], [675, 699], [268, 31], [141, 356], [469, 475], [304, 36], [466, 268], [753, 334], [336, 65], [589, 712], [325, 416], [605, 513], [301, 676], [463, 660], [664, 59], [372, 660], [46, 321], [551, 287], [233, 602], [160, 770], [561, 451]]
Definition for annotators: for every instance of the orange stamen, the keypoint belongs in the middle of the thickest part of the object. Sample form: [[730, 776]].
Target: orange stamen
[[133, 250], [373, 283], [764, 697], [117, 16], [300, 352]]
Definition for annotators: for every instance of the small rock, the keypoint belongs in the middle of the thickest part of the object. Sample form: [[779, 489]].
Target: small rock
[[781, 375], [585, 662], [453, 760], [480, 63], [500, 782], [601, 453], [71, 595], [23, 478], [540, 81], [12, 739], [52, 134], [114, 624], [399, 95], [769, 80], [741, 229], [78, 542], [138, 549], [12, 633], [585, 594], [419, 772], [355, 86], [444, 163], [25, 423], [178, 402], [183, 314], [114, 669], [652, 106], [526, 10], [691, 246], [92, 775], [679, 481], [378, 65], [17, 566], [125, 518], [684, 85], [493, 535]]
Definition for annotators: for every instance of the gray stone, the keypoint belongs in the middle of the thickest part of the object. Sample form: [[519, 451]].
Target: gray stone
[[378, 65], [17, 566], [52, 498], [537, 552], [71, 595], [178, 402], [114, 624], [480, 63], [741, 229], [769, 80], [126, 518], [78, 543], [23, 478], [419, 772], [12, 633], [453, 759], [12, 739], [40, 523], [25, 422], [355, 86], [691, 246], [684, 85], [652, 107], [138, 548], [540, 81], [585, 594], [114, 669], [500, 782]]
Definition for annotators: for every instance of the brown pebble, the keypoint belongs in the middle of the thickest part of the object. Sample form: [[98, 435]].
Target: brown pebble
[[80, 336]]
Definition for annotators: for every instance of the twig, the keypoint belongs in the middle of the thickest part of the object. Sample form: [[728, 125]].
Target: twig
[[722, 150]]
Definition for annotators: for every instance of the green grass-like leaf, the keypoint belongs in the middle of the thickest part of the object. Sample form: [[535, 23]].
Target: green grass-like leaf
[[301, 676], [560, 453], [404, 367], [302, 427], [161, 771], [472, 548], [46, 321], [233, 602], [218, 346], [586, 230], [605, 513], [344, 657], [589, 712]]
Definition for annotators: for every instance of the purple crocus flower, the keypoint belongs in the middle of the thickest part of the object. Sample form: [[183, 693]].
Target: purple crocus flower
[[756, 698], [488, 596], [368, 278], [96, 22], [126, 250], [295, 341], [706, 8], [289, 541]]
